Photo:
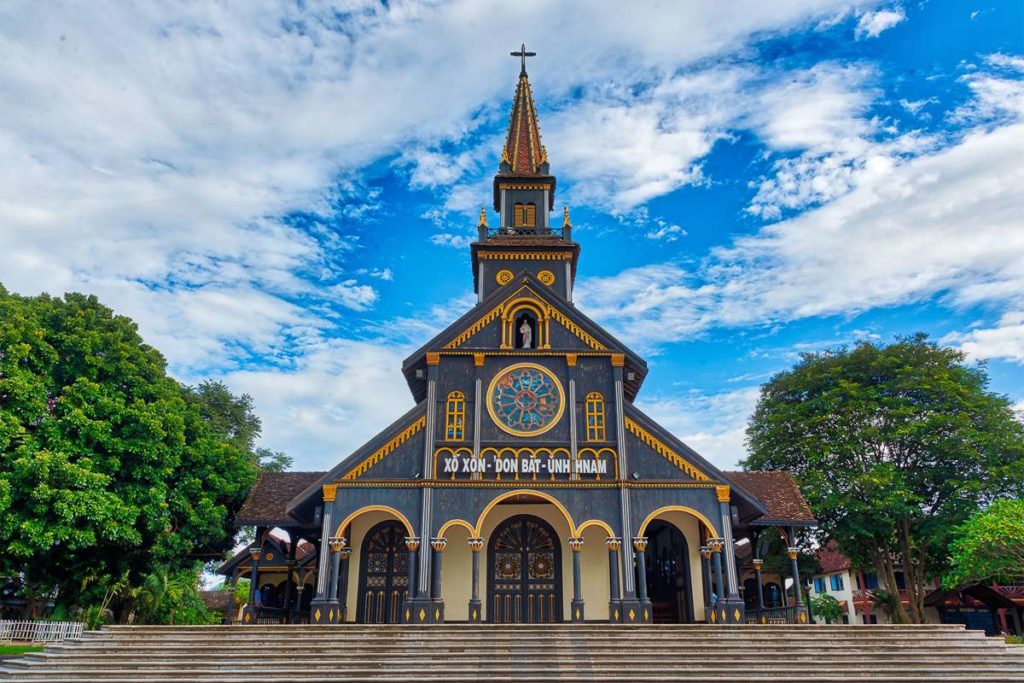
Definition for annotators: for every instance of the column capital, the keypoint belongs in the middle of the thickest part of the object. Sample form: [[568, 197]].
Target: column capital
[[614, 543], [433, 358], [254, 554], [757, 564], [412, 543], [705, 552], [337, 543], [330, 492], [716, 544], [639, 543], [439, 544], [476, 544], [792, 552], [576, 544], [723, 492], [345, 553]]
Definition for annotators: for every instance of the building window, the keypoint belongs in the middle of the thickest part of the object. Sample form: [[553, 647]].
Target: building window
[[524, 215], [870, 581], [595, 417], [455, 416], [837, 582], [819, 584]]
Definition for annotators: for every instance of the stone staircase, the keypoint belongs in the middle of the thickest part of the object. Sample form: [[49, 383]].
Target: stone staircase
[[497, 653]]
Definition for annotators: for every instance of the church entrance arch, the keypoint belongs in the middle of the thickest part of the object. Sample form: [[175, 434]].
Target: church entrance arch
[[383, 574], [524, 583], [667, 560]]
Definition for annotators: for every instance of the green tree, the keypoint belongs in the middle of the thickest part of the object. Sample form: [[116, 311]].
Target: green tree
[[827, 607], [171, 598], [989, 546], [893, 446], [108, 468]]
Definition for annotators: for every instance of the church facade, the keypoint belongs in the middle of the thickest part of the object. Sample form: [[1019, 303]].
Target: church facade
[[524, 485]]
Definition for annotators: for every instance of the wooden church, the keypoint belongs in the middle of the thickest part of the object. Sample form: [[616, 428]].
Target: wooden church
[[524, 485]]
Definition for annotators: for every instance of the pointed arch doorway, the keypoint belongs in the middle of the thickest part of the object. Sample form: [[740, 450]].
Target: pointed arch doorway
[[524, 583]]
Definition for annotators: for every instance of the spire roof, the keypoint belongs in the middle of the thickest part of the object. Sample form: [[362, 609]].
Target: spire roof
[[523, 153]]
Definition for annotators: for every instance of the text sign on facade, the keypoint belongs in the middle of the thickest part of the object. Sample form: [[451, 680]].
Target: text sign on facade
[[539, 464]]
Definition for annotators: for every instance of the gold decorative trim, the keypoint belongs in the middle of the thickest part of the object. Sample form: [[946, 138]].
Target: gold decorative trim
[[546, 277], [433, 358], [478, 359], [540, 484], [664, 451], [480, 324], [524, 186], [330, 492], [483, 216], [504, 276], [575, 329], [525, 255], [386, 449], [570, 359], [618, 360]]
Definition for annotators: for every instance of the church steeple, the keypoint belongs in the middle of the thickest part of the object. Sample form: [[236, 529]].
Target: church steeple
[[524, 241], [523, 153], [524, 189]]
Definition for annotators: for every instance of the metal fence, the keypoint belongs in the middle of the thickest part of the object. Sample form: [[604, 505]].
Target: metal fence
[[40, 631]]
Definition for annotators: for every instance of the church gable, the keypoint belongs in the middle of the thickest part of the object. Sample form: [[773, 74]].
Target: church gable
[[500, 325], [656, 454]]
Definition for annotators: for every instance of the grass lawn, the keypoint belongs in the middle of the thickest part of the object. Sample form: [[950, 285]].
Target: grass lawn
[[15, 650]]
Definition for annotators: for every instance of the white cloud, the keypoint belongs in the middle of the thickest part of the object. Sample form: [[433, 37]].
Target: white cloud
[[1005, 340], [944, 223], [447, 239], [872, 24], [714, 425], [354, 296], [320, 410]]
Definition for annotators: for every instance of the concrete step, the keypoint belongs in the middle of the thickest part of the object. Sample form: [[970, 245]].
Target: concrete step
[[561, 677], [506, 653]]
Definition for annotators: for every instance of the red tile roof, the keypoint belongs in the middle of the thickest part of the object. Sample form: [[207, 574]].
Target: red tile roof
[[831, 559], [265, 504], [778, 491]]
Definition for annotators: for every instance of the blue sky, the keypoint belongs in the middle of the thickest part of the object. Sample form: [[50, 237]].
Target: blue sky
[[282, 194]]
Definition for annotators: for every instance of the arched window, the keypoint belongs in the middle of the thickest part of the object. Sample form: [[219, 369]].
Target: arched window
[[524, 215], [455, 416], [595, 417]]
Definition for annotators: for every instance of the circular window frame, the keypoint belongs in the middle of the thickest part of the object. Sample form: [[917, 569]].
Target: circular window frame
[[544, 371]]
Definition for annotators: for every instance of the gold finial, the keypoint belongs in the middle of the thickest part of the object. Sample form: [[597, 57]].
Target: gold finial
[[566, 223], [483, 216]]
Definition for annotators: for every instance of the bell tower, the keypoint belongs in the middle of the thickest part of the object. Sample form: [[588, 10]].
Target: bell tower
[[524, 198]]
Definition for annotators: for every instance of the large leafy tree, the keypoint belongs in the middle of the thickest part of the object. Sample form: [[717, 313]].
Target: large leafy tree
[[894, 446], [108, 466], [989, 546]]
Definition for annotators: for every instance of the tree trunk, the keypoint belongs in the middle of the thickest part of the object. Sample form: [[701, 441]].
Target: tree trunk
[[887, 576], [911, 576]]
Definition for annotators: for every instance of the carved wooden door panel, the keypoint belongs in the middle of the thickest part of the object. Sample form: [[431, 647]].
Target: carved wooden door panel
[[383, 574], [525, 578]]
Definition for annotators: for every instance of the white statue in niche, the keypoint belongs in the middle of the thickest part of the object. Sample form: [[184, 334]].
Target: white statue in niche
[[527, 332]]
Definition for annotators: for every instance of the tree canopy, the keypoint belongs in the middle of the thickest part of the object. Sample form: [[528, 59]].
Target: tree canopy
[[989, 546], [109, 468], [893, 446]]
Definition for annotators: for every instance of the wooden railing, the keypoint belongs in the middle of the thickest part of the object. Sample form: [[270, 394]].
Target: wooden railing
[[40, 631]]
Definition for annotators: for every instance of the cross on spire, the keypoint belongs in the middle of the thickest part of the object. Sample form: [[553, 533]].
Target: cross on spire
[[523, 54]]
